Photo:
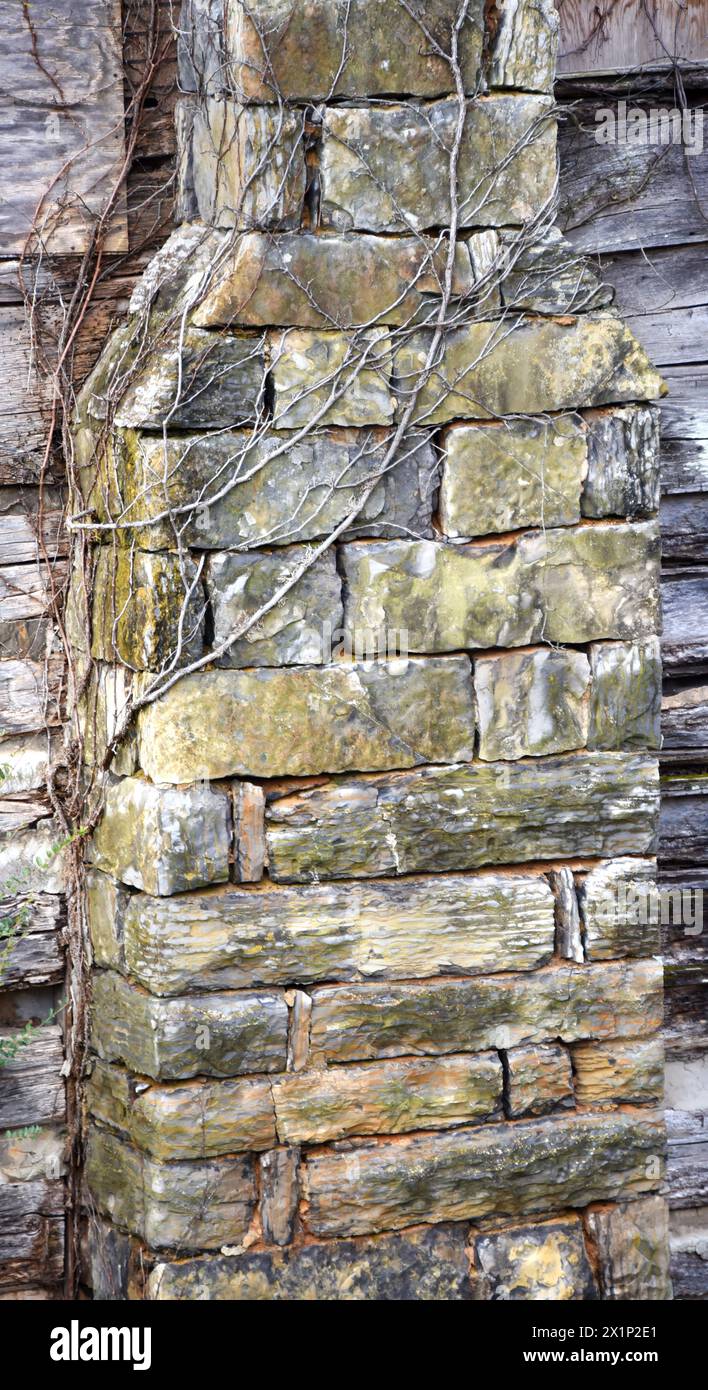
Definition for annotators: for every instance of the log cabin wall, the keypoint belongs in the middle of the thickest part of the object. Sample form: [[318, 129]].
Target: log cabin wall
[[80, 80], [665, 218], [642, 212]]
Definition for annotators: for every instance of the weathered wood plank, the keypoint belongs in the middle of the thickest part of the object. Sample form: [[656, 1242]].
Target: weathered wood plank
[[61, 131], [687, 1158], [684, 527], [684, 412], [684, 465], [31, 1233], [611, 38], [16, 813], [30, 695], [620, 197], [684, 598], [19, 536], [684, 723], [25, 590], [32, 1091], [683, 821]]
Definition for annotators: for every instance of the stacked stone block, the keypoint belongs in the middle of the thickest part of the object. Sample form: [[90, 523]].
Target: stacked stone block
[[364, 1025]]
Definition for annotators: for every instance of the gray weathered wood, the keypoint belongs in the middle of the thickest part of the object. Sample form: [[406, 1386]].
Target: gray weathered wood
[[610, 38], [32, 1091], [30, 694], [618, 197], [684, 644], [61, 124]]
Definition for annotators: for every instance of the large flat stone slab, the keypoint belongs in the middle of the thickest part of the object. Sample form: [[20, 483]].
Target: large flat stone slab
[[193, 1206], [543, 1262], [570, 584], [275, 722], [430, 1264], [504, 1171], [331, 378], [442, 819], [172, 1039], [163, 839], [195, 380], [387, 1098], [305, 280], [204, 1119], [295, 631], [384, 168], [526, 366], [240, 937], [148, 609], [362, 1022], [248, 164], [282, 49], [518, 473], [532, 703], [229, 491]]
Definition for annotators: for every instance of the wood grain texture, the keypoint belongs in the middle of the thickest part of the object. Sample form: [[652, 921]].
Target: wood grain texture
[[61, 123], [621, 197], [619, 37]]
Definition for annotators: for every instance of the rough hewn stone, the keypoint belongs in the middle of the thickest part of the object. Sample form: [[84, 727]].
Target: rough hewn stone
[[618, 1072], [280, 1193], [430, 1264], [517, 473], [228, 939], [106, 902], [229, 492], [173, 1039], [539, 1080], [202, 1119], [249, 165], [531, 703], [101, 709], [163, 840], [291, 634], [387, 1098], [525, 366], [633, 1249], [250, 846], [623, 463], [196, 381], [368, 48], [276, 722], [302, 280], [331, 378], [466, 817], [536, 1263], [191, 1206], [384, 168], [569, 942], [360, 1022], [619, 909], [548, 276], [144, 605], [625, 702], [500, 1171], [574, 584], [523, 45]]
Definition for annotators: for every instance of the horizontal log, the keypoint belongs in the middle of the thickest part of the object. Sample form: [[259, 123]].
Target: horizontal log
[[30, 694], [620, 197], [683, 820], [20, 533], [685, 607], [32, 1091]]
